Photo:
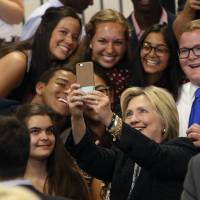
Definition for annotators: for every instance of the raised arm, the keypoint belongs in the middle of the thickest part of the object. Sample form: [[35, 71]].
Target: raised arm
[[185, 16], [75, 100], [12, 11]]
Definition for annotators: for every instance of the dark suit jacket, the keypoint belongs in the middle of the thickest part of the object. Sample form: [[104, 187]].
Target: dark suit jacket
[[192, 180], [163, 165], [43, 196]]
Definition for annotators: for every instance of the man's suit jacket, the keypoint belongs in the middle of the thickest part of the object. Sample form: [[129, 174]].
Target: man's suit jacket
[[191, 187]]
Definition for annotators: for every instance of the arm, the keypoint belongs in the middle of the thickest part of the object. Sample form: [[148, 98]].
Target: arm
[[185, 16], [154, 157], [12, 70], [11, 11], [92, 158]]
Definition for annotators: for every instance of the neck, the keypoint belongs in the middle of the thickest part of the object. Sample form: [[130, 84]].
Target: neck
[[152, 79], [147, 19], [36, 99], [36, 169]]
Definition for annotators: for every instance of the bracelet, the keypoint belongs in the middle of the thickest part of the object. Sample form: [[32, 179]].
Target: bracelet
[[115, 129], [112, 121]]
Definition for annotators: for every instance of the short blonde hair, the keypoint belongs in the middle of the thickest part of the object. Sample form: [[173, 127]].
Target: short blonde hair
[[17, 193], [191, 26], [163, 103]]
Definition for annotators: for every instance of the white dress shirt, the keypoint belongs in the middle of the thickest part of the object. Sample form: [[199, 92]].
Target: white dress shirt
[[35, 18], [184, 105]]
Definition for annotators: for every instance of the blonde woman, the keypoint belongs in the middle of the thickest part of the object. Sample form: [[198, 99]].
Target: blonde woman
[[148, 160]]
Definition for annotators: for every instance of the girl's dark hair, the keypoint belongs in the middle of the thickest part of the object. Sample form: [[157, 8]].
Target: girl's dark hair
[[41, 58], [172, 75], [39, 43], [64, 177]]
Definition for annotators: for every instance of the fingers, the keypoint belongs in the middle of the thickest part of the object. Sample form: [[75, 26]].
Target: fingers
[[193, 133]]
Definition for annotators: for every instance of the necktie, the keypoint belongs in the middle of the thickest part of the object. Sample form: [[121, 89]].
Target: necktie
[[195, 111]]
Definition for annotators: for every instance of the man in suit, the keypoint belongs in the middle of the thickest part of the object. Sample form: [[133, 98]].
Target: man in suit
[[14, 151], [189, 57], [191, 187]]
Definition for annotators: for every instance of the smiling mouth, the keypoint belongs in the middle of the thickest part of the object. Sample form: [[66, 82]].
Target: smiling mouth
[[194, 65], [63, 100]]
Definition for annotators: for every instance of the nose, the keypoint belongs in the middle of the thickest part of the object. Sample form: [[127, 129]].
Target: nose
[[133, 120], [68, 39], [152, 52], [43, 135], [109, 48]]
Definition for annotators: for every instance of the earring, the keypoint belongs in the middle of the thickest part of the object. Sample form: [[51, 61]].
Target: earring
[[164, 131], [90, 46]]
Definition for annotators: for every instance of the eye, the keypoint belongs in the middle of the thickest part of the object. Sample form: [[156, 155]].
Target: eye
[[118, 43], [34, 131], [146, 47], [142, 110], [129, 113], [102, 41], [161, 49], [50, 130]]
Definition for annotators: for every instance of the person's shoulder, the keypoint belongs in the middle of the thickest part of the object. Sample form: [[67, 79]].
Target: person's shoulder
[[196, 160], [18, 57]]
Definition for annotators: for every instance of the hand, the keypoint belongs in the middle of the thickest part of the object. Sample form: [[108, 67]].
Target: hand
[[193, 133], [193, 4], [75, 101], [101, 105]]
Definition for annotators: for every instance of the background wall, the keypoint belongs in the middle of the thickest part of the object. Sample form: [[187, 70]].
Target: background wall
[[125, 6]]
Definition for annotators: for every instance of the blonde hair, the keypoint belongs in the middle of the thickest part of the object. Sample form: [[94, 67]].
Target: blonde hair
[[163, 103], [16, 193], [191, 26], [107, 15]]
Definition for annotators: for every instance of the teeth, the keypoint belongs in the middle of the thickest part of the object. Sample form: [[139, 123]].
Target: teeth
[[63, 100], [109, 58], [152, 62], [65, 49]]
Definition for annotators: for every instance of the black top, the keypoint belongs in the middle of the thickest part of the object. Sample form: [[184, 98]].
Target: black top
[[163, 166]]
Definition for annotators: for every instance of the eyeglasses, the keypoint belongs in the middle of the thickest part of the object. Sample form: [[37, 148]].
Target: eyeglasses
[[160, 49], [185, 52], [102, 88], [37, 130]]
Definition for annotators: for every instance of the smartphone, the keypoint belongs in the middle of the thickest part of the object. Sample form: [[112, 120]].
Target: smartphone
[[85, 76]]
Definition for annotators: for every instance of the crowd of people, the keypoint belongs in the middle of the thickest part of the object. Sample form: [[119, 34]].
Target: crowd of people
[[135, 135]]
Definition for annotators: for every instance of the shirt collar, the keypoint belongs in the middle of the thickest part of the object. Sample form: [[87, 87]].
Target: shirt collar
[[139, 31], [56, 2], [16, 182], [192, 90]]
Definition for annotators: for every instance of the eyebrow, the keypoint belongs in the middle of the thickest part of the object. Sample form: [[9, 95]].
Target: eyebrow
[[62, 79], [158, 44]]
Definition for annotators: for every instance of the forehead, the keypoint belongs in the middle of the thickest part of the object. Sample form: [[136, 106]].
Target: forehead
[[110, 28], [189, 39], [139, 101], [67, 22], [39, 121], [154, 37], [63, 75]]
